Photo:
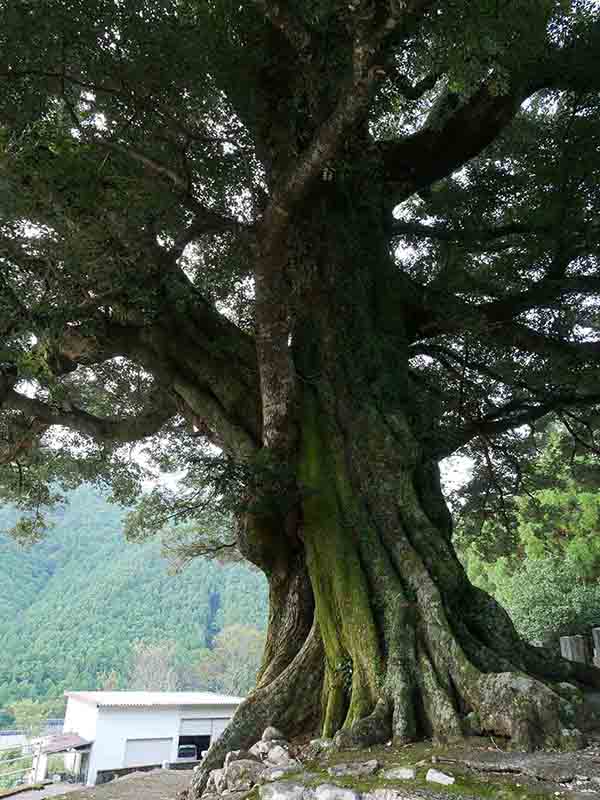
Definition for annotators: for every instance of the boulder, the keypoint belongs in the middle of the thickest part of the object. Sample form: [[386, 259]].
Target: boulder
[[216, 781], [374, 729], [315, 748], [435, 776], [242, 775], [260, 749], [400, 774], [354, 770], [239, 755], [278, 755], [286, 790], [328, 791], [272, 733]]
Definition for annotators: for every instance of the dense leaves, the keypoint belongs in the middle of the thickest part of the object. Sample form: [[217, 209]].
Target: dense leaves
[[141, 139], [540, 556]]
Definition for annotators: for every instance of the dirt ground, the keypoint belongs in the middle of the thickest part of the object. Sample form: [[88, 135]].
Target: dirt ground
[[53, 790], [161, 784]]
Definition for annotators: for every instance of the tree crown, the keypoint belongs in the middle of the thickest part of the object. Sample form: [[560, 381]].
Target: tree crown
[[157, 157]]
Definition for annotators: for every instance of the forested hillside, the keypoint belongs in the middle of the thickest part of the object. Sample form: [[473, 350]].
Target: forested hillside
[[72, 606]]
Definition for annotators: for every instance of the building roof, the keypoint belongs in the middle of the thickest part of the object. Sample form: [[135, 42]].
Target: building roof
[[63, 742], [150, 699]]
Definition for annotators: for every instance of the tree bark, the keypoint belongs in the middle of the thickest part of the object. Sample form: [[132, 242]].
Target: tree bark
[[375, 631]]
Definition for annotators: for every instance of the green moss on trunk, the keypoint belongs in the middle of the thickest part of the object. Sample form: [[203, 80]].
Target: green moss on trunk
[[342, 595]]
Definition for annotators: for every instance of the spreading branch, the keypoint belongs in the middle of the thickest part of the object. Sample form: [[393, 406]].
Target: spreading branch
[[435, 151], [117, 430], [512, 415]]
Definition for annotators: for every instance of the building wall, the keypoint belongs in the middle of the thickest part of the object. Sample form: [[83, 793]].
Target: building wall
[[116, 725], [81, 718]]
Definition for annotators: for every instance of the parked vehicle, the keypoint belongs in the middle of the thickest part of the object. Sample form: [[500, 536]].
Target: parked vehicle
[[189, 752]]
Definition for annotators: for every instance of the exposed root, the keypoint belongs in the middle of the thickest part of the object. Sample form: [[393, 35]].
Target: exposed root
[[441, 718], [376, 728]]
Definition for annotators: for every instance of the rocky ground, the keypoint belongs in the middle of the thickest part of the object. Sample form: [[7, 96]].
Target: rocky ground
[[273, 769]]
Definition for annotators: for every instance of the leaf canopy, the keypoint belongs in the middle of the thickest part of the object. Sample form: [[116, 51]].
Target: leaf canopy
[[148, 147]]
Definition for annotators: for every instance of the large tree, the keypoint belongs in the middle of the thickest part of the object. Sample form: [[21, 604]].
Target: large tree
[[339, 241]]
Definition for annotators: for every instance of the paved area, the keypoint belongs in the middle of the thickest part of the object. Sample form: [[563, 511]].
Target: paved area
[[52, 790]]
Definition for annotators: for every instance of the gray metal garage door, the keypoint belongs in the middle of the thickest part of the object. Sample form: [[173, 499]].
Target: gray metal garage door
[[143, 752]]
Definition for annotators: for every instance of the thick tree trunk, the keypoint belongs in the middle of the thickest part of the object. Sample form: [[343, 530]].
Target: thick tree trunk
[[375, 631], [401, 645], [400, 622]]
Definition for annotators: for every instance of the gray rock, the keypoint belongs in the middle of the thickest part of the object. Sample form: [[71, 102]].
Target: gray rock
[[277, 773], [328, 791], [239, 755], [260, 749], [384, 794], [322, 744], [242, 775], [354, 770], [216, 781], [272, 733], [286, 790], [278, 755], [314, 749], [435, 776], [400, 774]]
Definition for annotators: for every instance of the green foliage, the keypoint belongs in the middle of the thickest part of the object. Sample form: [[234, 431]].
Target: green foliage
[[30, 715], [12, 761], [153, 668], [546, 597], [231, 666], [7, 720], [79, 602], [548, 573]]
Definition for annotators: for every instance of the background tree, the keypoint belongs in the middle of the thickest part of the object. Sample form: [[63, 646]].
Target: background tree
[[532, 538], [338, 241], [153, 667], [31, 715], [6, 719], [65, 628], [232, 664]]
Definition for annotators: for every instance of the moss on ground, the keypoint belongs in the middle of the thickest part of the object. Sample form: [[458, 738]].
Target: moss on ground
[[420, 755]]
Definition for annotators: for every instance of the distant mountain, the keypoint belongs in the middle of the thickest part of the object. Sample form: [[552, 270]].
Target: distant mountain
[[72, 606]]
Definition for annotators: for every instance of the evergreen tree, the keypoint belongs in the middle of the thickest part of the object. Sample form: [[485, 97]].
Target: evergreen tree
[[337, 241], [540, 557]]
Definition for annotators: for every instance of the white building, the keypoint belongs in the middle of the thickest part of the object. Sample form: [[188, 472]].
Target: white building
[[114, 731]]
